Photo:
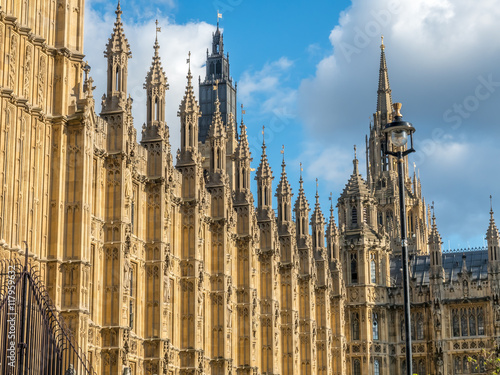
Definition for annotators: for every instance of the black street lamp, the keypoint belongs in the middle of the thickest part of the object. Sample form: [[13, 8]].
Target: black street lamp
[[399, 131]]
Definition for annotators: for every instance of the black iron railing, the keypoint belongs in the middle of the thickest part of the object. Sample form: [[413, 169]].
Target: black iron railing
[[33, 337]]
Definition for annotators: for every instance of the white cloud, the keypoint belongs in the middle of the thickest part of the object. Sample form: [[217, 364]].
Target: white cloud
[[267, 82], [175, 42], [438, 52]]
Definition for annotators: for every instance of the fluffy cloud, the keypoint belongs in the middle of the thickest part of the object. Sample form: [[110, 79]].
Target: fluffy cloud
[[442, 57], [175, 43]]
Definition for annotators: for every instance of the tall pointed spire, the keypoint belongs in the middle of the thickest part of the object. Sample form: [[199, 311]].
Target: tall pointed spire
[[117, 42], [189, 112], [117, 52], [264, 177], [384, 99], [284, 194], [242, 159], [318, 223], [492, 232], [155, 85], [217, 127], [434, 236], [301, 209]]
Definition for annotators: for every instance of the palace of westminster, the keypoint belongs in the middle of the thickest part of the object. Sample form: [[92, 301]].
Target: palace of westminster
[[167, 265]]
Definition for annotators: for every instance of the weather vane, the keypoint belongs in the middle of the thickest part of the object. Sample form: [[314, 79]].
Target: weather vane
[[283, 152], [301, 170], [158, 29], [188, 60], [355, 157]]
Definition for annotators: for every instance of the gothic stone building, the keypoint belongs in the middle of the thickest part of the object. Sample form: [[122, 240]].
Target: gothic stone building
[[165, 265]]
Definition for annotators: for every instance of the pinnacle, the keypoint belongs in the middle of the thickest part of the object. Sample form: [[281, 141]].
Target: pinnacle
[[356, 185], [492, 231], [317, 216], [117, 42], [243, 148], [217, 127], [301, 203], [284, 188], [434, 236], [188, 103], [384, 99]]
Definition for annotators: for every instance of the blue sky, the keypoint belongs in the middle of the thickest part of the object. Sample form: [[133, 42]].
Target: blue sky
[[309, 73]]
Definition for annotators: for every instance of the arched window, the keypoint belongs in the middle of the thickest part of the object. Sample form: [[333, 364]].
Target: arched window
[[373, 270], [421, 367], [355, 326], [376, 367], [464, 323], [354, 268], [420, 327], [480, 321], [455, 323], [356, 367], [472, 321], [157, 110], [354, 216], [218, 68], [117, 79], [375, 326]]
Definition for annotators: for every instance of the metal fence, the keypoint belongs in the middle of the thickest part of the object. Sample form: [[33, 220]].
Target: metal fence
[[33, 338]]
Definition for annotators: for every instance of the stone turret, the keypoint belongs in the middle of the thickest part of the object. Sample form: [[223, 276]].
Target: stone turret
[[117, 52]]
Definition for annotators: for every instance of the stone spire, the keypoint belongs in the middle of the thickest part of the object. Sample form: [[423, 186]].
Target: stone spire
[[318, 223], [284, 196], [356, 185], [301, 209], [156, 86], [493, 240], [243, 158], [117, 52], [117, 42], [332, 235], [189, 112], [492, 232], [217, 138], [217, 127], [264, 177], [434, 236], [384, 99]]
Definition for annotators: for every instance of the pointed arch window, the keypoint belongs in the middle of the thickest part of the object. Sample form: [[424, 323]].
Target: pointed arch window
[[455, 323], [373, 269], [354, 216], [157, 110], [376, 367], [117, 79], [356, 367], [464, 322], [375, 326], [354, 268], [480, 321], [472, 321], [355, 326], [420, 326]]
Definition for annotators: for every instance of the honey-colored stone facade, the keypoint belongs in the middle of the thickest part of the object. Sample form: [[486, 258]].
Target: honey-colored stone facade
[[166, 266]]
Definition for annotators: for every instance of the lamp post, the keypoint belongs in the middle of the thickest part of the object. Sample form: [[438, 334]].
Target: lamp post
[[399, 130]]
